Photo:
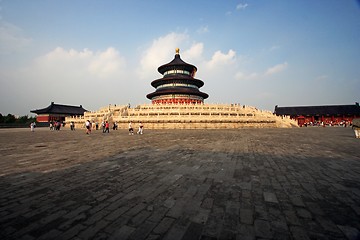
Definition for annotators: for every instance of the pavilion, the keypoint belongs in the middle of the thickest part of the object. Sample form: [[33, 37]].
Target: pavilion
[[327, 114], [58, 112], [178, 84]]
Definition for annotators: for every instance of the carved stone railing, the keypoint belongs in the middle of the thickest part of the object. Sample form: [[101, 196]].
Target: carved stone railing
[[188, 116]]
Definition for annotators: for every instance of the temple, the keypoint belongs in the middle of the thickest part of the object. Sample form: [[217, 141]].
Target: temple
[[178, 84], [178, 103], [326, 114], [57, 112]]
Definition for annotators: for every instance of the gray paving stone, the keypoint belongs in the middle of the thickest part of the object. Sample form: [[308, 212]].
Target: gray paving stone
[[52, 234], [246, 232], [164, 226], [350, 232], [246, 184], [123, 233], [176, 232], [263, 229], [298, 233], [72, 232], [207, 203], [246, 216], [291, 218]]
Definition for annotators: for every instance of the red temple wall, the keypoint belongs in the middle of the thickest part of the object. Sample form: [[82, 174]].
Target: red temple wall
[[42, 118], [50, 118]]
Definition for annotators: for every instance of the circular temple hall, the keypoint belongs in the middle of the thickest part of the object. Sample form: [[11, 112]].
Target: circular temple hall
[[178, 84]]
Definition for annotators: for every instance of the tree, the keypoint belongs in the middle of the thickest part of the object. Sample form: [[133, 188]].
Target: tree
[[1, 118], [23, 119], [10, 118]]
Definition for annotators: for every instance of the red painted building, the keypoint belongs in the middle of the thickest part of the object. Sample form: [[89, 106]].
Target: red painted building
[[57, 112], [327, 114], [178, 84]]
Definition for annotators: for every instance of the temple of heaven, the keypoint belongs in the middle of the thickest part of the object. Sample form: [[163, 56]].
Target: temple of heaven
[[178, 84], [178, 103]]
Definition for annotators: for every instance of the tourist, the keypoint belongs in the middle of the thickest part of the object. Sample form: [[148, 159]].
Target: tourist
[[356, 127], [103, 126], [131, 129], [88, 127], [357, 131], [115, 127], [57, 125], [107, 125], [140, 131], [72, 126], [97, 126], [51, 126], [32, 126]]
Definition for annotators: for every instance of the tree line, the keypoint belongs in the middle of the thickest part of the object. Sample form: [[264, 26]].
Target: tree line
[[10, 118]]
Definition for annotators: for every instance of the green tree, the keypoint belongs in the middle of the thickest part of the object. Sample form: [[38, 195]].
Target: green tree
[[23, 119], [10, 118], [1, 118]]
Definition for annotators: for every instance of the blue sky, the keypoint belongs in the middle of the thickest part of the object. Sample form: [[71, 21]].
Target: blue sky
[[260, 53]]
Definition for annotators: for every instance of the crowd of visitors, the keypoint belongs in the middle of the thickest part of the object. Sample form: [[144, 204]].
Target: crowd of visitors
[[326, 124], [56, 125], [105, 127]]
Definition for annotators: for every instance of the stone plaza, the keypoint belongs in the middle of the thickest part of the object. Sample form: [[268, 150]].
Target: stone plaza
[[268, 183]]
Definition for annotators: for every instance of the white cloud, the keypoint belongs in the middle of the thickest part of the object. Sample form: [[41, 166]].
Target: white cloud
[[259, 76], [102, 64], [242, 6], [106, 63], [158, 53], [243, 76], [12, 38], [220, 59], [91, 78], [276, 69], [194, 52]]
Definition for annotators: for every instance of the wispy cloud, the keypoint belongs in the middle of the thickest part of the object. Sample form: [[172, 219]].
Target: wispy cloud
[[242, 76], [241, 6], [276, 69], [273, 48], [258, 76], [203, 30], [12, 38]]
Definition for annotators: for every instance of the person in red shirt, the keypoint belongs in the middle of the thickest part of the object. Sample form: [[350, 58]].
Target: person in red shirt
[[107, 126]]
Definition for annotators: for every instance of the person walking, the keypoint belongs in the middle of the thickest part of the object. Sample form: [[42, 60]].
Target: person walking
[[72, 126], [32, 126], [356, 127], [88, 126], [107, 126], [103, 126], [131, 129], [141, 127]]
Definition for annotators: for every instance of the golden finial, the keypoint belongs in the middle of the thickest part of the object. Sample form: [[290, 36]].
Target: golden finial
[[177, 50]]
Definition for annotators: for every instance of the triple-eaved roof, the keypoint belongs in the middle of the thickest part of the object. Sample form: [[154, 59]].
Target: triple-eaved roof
[[353, 110], [61, 109]]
